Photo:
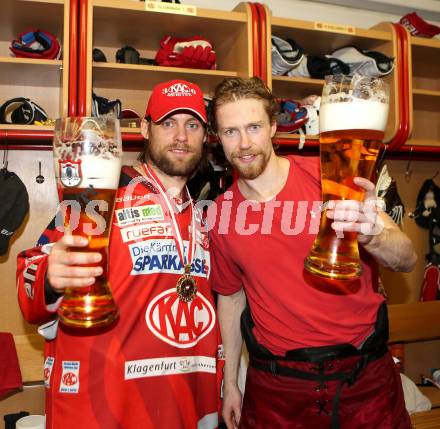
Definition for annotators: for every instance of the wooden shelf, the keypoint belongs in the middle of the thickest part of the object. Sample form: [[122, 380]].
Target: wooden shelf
[[433, 393], [140, 7], [424, 99], [299, 80], [129, 130], [30, 61], [43, 81], [133, 76], [322, 40], [228, 32], [20, 15], [61, 2], [426, 92], [225, 30], [296, 87], [294, 136], [13, 127], [423, 142], [30, 72], [318, 42], [428, 43]]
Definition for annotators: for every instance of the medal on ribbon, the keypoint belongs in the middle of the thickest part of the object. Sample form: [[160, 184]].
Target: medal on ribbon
[[186, 286]]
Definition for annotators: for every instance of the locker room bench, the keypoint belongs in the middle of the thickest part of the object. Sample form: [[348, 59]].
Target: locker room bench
[[30, 356], [412, 323]]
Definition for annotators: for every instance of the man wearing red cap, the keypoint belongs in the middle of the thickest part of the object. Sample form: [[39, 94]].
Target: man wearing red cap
[[157, 366]]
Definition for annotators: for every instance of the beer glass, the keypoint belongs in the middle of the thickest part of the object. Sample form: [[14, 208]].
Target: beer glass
[[87, 159], [352, 118]]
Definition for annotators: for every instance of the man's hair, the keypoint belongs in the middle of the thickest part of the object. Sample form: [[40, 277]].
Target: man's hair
[[143, 156], [237, 88]]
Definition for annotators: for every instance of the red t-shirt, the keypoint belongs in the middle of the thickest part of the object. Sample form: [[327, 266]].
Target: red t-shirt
[[265, 254]]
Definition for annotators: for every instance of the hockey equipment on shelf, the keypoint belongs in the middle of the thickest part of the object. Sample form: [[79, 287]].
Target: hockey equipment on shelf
[[291, 116], [104, 107], [129, 55], [427, 215], [286, 55], [428, 204], [311, 104], [367, 63], [418, 26], [21, 110], [318, 67], [98, 56], [36, 44], [300, 70], [130, 118], [193, 52], [386, 190]]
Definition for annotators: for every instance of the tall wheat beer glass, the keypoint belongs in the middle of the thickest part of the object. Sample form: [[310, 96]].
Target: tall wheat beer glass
[[353, 117], [87, 158]]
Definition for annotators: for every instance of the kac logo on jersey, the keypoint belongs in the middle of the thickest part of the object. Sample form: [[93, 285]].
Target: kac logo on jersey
[[70, 172], [47, 372], [181, 324], [69, 379], [69, 382]]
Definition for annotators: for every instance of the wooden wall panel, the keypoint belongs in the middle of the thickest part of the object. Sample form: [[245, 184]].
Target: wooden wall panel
[[405, 287], [43, 202], [31, 399], [420, 357]]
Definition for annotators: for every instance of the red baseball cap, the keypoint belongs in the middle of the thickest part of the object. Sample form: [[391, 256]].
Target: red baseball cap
[[174, 95]]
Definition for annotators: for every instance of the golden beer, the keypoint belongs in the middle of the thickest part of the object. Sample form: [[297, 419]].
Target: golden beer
[[351, 134], [87, 155]]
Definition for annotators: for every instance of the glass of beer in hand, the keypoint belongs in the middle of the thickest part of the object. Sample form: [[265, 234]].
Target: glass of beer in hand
[[87, 159], [352, 118]]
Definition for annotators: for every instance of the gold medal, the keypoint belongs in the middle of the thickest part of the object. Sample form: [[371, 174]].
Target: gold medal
[[186, 286]]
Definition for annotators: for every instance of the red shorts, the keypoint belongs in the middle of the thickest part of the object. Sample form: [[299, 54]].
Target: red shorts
[[374, 401]]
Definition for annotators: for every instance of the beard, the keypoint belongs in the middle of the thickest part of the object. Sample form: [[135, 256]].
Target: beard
[[173, 166], [253, 170]]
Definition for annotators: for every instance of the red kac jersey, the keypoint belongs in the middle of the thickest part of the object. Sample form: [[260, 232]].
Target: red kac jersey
[[158, 366]]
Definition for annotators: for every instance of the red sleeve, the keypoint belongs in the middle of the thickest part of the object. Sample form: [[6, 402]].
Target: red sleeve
[[31, 274], [225, 275]]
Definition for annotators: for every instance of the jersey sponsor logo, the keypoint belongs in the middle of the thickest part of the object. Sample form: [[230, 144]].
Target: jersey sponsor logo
[[138, 214], [161, 256], [131, 197], [70, 377], [152, 229], [29, 276], [47, 371], [180, 324], [169, 366], [202, 239]]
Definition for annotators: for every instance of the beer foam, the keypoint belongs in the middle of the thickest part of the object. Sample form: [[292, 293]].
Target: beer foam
[[99, 172], [354, 115]]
